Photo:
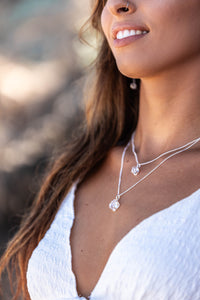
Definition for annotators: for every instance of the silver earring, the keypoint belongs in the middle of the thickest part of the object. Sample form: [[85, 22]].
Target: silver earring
[[133, 84], [127, 5]]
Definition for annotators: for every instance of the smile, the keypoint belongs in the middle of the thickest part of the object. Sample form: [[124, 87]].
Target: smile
[[126, 33]]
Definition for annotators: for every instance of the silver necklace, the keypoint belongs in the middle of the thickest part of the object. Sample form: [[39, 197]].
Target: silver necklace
[[136, 169], [115, 204]]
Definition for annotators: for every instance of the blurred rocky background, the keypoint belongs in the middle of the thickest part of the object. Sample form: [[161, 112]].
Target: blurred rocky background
[[42, 66]]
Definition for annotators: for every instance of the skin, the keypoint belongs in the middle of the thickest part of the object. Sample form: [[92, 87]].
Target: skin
[[167, 61]]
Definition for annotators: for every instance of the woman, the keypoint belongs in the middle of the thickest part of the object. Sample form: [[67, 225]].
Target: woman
[[141, 148]]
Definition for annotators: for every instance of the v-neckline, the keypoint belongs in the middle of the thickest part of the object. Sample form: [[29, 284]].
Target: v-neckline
[[121, 241]]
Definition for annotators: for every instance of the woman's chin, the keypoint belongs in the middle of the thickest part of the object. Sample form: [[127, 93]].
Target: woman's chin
[[136, 70], [131, 70], [131, 73]]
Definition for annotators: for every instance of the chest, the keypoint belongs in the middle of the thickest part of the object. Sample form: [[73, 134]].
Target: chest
[[157, 259], [97, 230]]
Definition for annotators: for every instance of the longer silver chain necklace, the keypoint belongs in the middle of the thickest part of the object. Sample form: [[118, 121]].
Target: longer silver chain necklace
[[115, 204]]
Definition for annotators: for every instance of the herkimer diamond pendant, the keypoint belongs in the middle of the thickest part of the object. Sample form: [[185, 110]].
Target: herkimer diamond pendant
[[114, 204], [135, 170]]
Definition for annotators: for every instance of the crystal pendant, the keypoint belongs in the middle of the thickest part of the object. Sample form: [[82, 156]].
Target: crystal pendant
[[135, 170], [114, 204]]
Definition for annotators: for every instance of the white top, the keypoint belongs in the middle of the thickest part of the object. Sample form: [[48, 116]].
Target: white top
[[159, 259]]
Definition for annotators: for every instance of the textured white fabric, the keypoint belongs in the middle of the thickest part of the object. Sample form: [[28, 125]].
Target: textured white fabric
[[159, 259]]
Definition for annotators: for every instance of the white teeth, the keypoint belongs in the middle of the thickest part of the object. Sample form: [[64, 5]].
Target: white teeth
[[126, 33], [120, 35]]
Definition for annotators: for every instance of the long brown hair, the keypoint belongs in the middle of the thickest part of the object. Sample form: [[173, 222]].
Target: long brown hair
[[111, 117]]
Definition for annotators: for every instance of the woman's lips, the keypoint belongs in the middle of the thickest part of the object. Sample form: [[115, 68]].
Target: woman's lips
[[117, 43], [124, 34]]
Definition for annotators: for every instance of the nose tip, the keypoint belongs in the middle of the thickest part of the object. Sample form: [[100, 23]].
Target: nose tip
[[117, 7]]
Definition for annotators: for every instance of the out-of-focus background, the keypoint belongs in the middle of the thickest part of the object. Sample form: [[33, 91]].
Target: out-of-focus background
[[42, 65]]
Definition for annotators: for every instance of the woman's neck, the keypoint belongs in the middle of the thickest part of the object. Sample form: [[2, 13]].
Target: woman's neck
[[169, 113]]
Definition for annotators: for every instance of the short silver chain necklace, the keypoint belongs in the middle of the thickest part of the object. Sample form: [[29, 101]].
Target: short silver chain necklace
[[136, 169], [115, 204]]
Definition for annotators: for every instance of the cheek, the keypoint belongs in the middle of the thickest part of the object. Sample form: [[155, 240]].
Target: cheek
[[177, 29], [174, 37]]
